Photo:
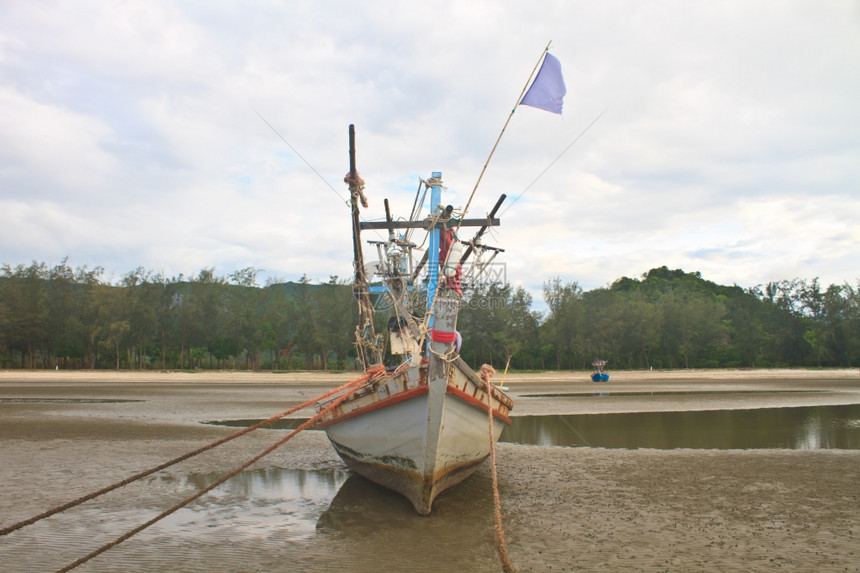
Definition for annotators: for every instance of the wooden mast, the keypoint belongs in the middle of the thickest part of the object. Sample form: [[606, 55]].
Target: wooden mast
[[365, 336]]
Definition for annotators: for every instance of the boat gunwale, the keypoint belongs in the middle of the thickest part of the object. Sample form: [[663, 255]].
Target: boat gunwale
[[475, 403], [414, 393], [379, 404]]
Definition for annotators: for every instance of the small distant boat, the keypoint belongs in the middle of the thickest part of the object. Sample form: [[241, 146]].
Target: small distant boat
[[422, 425], [599, 375]]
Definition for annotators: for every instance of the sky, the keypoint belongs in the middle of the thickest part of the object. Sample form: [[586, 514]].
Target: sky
[[718, 137]]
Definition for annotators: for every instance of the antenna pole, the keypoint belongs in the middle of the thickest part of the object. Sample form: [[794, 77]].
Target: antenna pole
[[498, 139]]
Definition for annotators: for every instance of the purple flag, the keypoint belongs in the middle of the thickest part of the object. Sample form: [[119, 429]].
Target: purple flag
[[547, 91]]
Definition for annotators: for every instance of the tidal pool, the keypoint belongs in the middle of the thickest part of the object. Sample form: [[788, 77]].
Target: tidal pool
[[793, 428], [797, 428], [268, 498]]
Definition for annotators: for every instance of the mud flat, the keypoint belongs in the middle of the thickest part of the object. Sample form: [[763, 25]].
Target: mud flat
[[566, 509]]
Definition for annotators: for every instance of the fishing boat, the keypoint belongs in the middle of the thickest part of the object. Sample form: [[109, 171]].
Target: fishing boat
[[427, 421], [599, 375]]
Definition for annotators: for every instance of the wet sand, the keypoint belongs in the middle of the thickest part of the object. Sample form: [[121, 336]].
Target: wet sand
[[63, 435]]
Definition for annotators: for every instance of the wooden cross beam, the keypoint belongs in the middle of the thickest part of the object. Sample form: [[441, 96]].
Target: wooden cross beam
[[426, 224]]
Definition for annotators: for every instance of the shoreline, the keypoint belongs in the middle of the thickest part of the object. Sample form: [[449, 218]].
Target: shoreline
[[65, 434], [332, 377]]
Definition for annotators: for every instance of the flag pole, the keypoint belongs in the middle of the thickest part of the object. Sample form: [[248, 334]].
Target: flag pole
[[498, 139]]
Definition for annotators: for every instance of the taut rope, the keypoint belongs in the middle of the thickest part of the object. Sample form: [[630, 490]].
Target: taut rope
[[369, 374], [487, 372], [9, 529]]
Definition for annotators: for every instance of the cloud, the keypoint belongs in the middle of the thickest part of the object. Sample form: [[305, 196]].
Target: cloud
[[129, 133], [44, 147]]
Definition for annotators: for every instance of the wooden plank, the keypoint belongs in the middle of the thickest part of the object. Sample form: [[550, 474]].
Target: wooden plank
[[370, 225]]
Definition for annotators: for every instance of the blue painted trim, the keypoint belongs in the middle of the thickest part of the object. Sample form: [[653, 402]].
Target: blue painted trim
[[433, 257]]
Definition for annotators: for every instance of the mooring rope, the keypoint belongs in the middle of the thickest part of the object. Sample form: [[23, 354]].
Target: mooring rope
[[9, 529], [486, 374], [347, 388]]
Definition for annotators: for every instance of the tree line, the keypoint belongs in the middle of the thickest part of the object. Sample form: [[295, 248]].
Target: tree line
[[669, 319], [73, 318]]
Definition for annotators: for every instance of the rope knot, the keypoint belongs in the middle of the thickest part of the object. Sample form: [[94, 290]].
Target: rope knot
[[356, 185], [486, 374]]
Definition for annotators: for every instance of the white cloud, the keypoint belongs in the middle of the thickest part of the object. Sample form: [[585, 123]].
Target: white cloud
[[44, 148], [129, 135]]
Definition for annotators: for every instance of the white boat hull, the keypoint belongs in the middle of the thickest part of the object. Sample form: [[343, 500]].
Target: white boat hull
[[417, 437]]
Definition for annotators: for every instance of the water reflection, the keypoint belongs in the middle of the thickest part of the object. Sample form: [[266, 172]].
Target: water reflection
[[380, 525], [800, 428], [275, 483], [256, 503], [810, 427], [327, 508]]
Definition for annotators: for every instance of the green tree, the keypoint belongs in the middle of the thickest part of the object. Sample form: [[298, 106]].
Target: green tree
[[112, 332], [27, 312], [564, 327], [280, 315], [640, 330], [141, 303]]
